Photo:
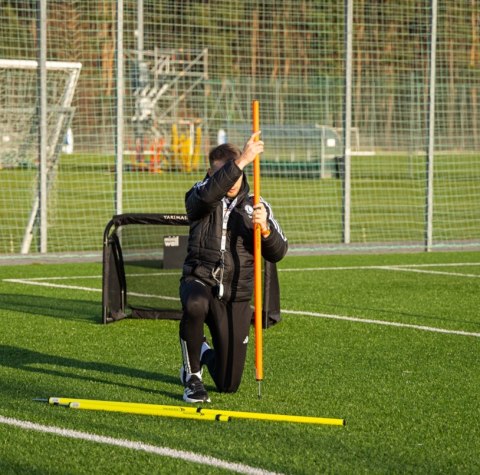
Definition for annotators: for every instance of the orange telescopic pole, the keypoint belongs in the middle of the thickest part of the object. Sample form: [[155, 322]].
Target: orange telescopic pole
[[257, 259]]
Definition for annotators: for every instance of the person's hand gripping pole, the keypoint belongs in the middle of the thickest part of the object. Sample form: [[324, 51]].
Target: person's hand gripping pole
[[257, 258]]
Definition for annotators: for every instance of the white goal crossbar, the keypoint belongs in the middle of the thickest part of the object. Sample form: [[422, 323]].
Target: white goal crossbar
[[33, 64]]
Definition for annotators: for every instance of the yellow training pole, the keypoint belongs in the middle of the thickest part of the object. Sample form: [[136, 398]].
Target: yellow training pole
[[215, 414], [65, 401], [275, 417], [257, 259], [143, 409]]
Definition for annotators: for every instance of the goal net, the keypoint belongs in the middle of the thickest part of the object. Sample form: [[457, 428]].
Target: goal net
[[19, 123], [142, 259], [135, 281]]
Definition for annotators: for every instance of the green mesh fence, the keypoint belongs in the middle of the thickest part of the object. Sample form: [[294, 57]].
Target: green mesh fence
[[191, 70]]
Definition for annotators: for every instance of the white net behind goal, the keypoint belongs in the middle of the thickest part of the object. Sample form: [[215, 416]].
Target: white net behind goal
[[19, 135]]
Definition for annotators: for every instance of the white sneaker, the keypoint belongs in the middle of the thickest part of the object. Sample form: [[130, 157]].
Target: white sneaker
[[195, 391]]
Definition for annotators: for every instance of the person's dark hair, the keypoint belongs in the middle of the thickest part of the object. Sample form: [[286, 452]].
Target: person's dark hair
[[223, 153]]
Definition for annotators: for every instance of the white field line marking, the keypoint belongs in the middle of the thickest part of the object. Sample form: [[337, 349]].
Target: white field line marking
[[439, 264], [438, 272], [140, 446], [47, 284], [78, 277], [309, 269], [86, 289], [150, 296], [394, 267], [382, 322]]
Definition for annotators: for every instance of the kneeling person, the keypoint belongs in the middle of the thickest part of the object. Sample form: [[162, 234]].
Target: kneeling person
[[217, 281]]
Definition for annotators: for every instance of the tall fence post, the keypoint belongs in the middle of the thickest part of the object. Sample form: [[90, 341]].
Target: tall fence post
[[42, 119], [140, 31], [431, 129], [120, 81], [347, 120]]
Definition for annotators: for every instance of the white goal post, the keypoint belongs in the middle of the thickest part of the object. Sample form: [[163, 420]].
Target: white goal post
[[19, 121]]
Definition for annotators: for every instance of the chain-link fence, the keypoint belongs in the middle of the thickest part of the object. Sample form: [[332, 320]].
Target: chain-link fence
[[397, 169]]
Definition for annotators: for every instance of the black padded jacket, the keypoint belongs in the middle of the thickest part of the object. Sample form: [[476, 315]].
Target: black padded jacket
[[205, 211]]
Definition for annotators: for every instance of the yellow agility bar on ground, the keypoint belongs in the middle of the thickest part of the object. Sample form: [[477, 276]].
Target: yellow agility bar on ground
[[142, 409], [167, 411], [261, 416]]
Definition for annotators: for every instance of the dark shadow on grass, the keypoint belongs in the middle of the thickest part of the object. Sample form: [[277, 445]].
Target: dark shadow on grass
[[58, 366], [67, 309]]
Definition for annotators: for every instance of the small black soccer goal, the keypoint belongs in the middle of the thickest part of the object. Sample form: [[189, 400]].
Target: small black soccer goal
[[143, 255]]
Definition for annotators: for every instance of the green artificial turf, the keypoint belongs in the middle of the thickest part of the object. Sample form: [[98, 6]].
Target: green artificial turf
[[409, 394]]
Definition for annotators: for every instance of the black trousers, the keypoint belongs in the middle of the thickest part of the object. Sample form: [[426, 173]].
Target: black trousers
[[229, 325]]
